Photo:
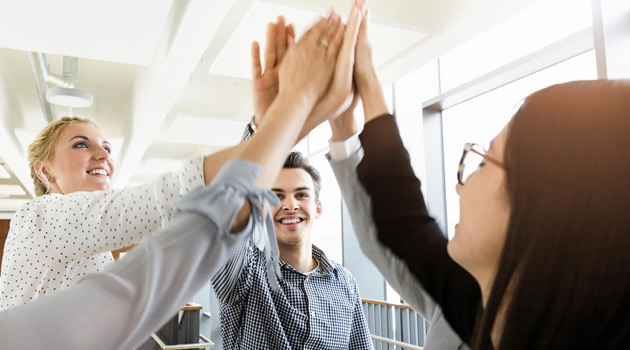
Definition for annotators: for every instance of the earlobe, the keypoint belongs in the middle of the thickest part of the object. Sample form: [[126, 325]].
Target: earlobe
[[41, 171], [318, 209]]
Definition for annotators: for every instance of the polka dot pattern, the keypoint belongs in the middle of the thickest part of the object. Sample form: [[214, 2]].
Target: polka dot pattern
[[56, 239]]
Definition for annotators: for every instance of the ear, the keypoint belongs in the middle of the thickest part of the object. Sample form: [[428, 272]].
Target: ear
[[41, 171], [318, 209]]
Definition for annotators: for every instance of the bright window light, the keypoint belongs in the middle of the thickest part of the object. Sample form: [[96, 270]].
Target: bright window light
[[479, 120], [534, 28], [327, 230]]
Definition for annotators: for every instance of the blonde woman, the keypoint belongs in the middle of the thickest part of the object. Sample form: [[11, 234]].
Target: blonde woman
[[118, 308], [69, 230]]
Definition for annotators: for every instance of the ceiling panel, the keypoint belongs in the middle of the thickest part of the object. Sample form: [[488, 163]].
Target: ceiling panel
[[204, 130], [114, 30], [235, 59]]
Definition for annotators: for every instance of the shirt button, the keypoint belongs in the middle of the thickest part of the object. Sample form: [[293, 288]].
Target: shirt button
[[312, 313]]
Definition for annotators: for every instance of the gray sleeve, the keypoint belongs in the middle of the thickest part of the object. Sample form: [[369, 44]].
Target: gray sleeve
[[395, 271], [390, 266], [120, 307]]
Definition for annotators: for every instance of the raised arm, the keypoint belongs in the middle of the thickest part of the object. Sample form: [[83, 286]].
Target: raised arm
[[398, 208], [136, 295]]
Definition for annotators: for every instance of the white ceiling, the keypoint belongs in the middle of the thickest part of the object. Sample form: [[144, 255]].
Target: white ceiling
[[161, 69]]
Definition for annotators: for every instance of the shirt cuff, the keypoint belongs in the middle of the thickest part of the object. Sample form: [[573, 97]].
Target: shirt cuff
[[341, 150]]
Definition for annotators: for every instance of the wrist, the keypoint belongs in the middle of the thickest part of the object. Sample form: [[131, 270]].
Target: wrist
[[374, 103], [297, 99], [367, 79], [342, 129]]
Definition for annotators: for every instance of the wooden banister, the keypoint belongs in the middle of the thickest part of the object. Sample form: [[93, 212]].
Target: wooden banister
[[384, 303]]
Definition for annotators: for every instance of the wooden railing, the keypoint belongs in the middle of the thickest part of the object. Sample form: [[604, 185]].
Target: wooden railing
[[180, 332], [394, 326]]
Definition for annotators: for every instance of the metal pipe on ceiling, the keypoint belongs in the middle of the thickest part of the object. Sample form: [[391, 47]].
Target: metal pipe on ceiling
[[40, 76]]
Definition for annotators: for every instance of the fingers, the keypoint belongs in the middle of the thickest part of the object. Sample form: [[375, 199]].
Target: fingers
[[270, 47], [362, 6], [281, 40], [363, 31], [346, 39], [326, 42], [291, 32], [315, 33], [256, 66]]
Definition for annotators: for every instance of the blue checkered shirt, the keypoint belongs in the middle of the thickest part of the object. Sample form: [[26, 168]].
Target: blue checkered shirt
[[319, 310]]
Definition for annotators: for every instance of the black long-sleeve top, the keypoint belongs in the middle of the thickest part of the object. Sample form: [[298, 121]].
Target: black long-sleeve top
[[405, 226]]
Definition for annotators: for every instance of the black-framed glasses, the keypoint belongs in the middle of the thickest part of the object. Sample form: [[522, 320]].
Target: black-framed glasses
[[472, 158]]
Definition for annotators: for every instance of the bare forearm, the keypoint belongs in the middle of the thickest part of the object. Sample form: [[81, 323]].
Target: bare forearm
[[371, 93], [275, 138]]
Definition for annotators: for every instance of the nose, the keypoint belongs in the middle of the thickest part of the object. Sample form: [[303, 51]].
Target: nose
[[289, 204], [100, 153]]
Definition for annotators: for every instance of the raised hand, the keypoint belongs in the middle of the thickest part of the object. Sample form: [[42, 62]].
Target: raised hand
[[265, 82], [339, 93], [346, 124], [367, 83], [364, 64], [308, 66]]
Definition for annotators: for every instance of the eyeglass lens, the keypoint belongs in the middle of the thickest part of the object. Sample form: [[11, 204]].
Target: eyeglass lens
[[471, 163]]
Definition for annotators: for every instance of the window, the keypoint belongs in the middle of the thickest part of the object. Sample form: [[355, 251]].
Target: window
[[482, 118], [534, 28]]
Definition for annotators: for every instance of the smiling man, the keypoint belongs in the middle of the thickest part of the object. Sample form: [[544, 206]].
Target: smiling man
[[318, 304]]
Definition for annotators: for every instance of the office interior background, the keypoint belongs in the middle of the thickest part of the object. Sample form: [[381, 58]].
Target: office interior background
[[170, 80]]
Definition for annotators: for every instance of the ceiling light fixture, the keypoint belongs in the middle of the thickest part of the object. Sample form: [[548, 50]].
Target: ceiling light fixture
[[72, 98], [63, 93]]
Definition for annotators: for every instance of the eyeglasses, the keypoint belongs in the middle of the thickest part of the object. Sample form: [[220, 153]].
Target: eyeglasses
[[472, 159]]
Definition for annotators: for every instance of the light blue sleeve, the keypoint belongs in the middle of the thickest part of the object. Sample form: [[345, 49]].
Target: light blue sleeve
[[120, 307]]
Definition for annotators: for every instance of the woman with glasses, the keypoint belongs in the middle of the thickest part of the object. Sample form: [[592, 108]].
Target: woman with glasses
[[540, 258]]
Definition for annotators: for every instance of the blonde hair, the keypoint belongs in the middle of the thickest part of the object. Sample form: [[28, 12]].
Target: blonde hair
[[42, 149]]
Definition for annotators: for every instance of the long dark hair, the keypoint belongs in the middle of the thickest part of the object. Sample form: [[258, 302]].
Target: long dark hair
[[564, 276]]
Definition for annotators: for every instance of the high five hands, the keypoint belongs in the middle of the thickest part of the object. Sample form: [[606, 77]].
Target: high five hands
[[318, 69]]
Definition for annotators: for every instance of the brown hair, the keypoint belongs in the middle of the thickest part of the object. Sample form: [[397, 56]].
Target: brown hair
[[296, 160], [565, 260], [42, 148]]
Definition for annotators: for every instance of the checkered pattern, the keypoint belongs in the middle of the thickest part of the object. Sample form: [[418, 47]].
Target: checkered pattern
[[247, 133], [320, 310]]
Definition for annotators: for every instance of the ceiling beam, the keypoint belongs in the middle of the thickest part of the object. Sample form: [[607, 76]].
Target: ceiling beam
[[10, 149], [192, 28]]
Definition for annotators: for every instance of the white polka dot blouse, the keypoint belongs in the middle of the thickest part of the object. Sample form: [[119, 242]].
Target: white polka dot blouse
[[56, 239]]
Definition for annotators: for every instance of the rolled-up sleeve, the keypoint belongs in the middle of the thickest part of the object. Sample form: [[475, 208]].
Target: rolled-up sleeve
[[120, 307]]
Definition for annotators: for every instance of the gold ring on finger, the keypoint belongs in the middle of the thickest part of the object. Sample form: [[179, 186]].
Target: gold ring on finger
[[323, 43]]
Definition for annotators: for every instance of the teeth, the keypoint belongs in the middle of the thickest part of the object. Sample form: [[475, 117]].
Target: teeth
[[290, 221], [98, 172]]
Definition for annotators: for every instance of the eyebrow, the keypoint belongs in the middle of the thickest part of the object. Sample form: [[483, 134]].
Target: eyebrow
[[87, 139], [295, 190]]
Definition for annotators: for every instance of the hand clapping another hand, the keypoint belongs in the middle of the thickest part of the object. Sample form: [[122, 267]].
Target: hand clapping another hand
[[365, 77], [340, 92], [309, 64], [364, 64]]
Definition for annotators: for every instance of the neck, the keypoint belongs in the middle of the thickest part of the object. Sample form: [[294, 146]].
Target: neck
[[300, 257], [485, 280]]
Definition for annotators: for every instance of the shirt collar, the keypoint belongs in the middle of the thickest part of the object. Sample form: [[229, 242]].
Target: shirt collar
[[324, 267]]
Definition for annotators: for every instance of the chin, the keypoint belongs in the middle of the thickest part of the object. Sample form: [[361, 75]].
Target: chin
[[453, 249]]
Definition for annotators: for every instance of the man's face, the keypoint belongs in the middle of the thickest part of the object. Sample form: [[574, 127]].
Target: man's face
[[298, 209]]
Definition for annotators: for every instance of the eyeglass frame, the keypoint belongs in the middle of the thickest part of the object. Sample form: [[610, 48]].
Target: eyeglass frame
[[469, 147]]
